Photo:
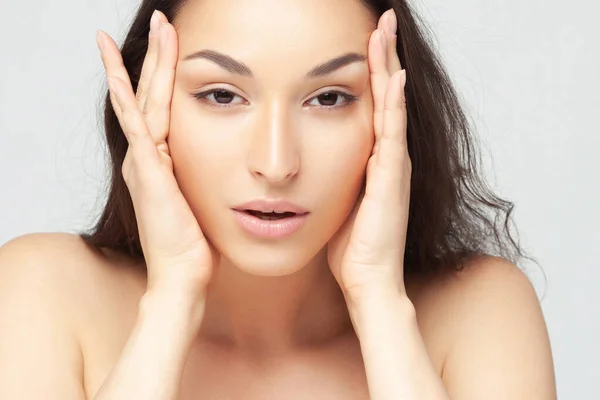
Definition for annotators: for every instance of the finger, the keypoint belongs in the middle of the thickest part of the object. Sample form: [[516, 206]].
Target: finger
[[150, 59], [158, 104], [392, 148], [132, 120], [379, 77], [389, 23], [112, 61]]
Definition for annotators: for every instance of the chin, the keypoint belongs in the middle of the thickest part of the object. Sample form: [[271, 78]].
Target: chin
[[270, 259], [267, 268]]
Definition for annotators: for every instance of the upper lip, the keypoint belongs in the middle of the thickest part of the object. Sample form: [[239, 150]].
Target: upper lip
[[267, 205]]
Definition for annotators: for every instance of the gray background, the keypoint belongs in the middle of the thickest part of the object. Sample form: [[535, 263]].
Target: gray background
[[528, 71]]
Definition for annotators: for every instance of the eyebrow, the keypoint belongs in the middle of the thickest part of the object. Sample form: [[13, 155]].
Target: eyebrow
[[239, 68]]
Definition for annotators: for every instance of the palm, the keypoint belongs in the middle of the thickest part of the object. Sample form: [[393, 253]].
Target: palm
[[368, 249], [369, 238]]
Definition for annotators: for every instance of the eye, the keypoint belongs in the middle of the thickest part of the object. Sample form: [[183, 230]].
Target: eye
[[223, 98], [330, 99]]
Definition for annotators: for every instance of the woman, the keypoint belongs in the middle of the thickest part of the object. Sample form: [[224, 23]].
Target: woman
[[295, 212]]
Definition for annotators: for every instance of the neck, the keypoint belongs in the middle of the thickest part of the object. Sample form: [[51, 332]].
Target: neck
[[275, 314]]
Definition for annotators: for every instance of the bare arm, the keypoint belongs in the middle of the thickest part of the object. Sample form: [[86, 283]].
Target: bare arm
[[151, 365]]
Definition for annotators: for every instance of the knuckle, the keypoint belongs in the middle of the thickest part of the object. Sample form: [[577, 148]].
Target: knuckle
[[133, 172]]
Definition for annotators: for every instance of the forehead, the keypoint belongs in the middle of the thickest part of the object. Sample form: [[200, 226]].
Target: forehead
[[290, 32]]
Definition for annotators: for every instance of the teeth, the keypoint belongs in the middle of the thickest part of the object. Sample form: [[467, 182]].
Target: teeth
[[272, 214]]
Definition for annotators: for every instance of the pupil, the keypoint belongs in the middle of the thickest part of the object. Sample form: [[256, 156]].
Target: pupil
[[328, 97], [224, 93]]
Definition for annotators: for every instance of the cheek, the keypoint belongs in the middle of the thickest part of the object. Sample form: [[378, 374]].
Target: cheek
[[203, 139], [338, 177], [344, 155], [201, 155]]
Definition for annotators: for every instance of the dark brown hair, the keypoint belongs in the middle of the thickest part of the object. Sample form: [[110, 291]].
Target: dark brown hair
[[453, 215]]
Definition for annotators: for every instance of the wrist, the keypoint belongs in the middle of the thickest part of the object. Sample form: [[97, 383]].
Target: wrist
[[374, 305], [173, 306], [366, 297]]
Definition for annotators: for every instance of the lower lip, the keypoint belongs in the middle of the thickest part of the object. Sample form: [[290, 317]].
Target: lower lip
[[276, 228]]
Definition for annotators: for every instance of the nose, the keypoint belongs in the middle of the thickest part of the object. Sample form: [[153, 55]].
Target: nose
[[273, 154]]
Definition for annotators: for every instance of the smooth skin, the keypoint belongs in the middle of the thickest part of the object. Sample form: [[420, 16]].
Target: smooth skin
[[77, 323]]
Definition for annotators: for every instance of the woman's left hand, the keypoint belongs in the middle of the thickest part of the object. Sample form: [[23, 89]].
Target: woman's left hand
[[366, 255]]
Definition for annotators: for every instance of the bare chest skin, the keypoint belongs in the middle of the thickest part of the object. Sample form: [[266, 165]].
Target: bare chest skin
[[334, 372], [216, 371]]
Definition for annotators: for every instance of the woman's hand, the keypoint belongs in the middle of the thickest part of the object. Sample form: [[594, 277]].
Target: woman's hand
[[366, 255], [178, 256]]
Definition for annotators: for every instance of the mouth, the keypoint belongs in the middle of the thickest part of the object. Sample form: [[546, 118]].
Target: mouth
[[270, 216], [270, 225]]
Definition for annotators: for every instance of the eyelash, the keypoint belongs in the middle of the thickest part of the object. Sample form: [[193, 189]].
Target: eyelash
[[350, 99]]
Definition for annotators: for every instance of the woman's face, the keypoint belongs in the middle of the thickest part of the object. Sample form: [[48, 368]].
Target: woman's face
[[271, 132]]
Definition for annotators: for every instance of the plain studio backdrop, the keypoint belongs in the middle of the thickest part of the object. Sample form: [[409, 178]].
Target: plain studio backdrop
[[529, 74]]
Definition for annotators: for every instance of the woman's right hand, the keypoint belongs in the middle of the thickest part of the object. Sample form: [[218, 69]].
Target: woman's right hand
[[178, 256]]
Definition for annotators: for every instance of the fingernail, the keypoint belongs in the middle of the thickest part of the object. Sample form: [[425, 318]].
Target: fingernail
[[382, 38], [163, 33], [154, 23], [392, 23], [99, 40]]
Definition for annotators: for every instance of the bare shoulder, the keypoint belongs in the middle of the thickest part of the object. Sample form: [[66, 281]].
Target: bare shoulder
[[41, 356], [489, 321], [55, 290], [63, 264], [43, 263], [482, 277]]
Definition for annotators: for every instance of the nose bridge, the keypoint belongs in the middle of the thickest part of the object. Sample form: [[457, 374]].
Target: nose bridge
[[274, 151]]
